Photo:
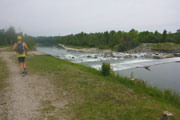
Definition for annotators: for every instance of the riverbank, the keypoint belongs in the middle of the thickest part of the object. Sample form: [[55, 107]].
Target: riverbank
[[156, 48], [59, 89], [149, 48], [120, 62], [92, 96], [84, 49], [4, 73]]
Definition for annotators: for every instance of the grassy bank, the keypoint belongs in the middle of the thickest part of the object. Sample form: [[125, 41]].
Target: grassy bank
[[94, 97], [7, 48], [3, 74], [166, 47], [147, 47], [77, 47], [2, 46], [156, 47], [3, 85]]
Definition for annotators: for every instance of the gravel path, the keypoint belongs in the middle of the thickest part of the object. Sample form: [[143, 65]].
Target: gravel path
[[24, 95]]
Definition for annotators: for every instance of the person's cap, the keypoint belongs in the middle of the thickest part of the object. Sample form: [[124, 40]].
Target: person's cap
[[19, 37]]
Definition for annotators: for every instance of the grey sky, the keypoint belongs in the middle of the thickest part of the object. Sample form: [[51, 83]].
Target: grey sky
[[62, 17]]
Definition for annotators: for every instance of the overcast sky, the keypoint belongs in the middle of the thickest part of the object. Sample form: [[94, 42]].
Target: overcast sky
[[62, 17]]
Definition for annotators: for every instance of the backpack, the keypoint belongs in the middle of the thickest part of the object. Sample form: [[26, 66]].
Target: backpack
[[20, 48]]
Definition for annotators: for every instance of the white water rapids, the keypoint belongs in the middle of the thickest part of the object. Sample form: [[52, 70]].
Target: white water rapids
[[118, 62]]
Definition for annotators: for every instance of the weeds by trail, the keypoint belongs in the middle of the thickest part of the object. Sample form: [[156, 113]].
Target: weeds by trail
[[3, 74], [3, 84], [93, 96]]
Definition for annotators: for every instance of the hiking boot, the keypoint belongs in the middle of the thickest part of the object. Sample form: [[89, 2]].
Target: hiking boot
[[22, 74], [25, 71]]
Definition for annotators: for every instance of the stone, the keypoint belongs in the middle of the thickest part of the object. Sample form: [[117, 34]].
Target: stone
[[167, 116], [108, 54], [158, 57], [177, 54], [128, 56]]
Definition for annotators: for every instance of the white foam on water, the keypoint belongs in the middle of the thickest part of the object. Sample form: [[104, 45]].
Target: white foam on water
[[81, 59], [69, 56], [124, 64], [120, 63], [137, 63]]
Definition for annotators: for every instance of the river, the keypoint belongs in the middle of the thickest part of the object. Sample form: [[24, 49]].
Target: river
[[162, 73]]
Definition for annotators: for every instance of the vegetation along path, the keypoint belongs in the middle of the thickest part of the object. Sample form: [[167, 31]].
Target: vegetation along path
[[56, 89], [25, 95]]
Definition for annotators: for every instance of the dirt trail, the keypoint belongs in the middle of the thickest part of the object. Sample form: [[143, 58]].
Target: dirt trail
[[24, 95]]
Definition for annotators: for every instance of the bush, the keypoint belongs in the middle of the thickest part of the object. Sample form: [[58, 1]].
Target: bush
[[106, 69], [167, 92], [165, 47]]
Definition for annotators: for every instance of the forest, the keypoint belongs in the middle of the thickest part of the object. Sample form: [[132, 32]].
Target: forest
[[118, 41], [9, 37]]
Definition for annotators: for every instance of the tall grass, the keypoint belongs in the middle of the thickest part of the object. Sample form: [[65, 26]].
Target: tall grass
[[140, 86], [55, 65], [3, 74], [166, 47], [94, 96]]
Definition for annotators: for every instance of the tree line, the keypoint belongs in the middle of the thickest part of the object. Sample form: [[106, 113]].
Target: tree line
[[119, 41], [9, 37]]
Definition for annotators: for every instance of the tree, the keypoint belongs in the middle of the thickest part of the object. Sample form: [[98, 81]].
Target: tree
[[157, 37], [178, 36], [11, 35], [106, 37], [120, 40], [164, 36], [3, 40]]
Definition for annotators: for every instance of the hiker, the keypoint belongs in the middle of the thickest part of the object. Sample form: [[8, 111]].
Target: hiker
[[21, 48]]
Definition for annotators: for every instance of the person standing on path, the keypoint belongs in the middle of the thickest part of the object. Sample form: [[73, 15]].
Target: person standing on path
[[21, 49]]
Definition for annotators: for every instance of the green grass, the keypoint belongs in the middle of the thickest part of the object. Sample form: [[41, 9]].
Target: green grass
[[3, 74], [3, 85], [2, 46], [104, 47], [166, 47], [6, 48], [94, 97], [77, 47], [47, 110]]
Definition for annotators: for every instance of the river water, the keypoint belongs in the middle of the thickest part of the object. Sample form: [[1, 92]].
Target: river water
[[162, 73]]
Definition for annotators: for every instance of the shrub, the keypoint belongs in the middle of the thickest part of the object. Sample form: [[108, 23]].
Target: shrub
[[167, 92], [106, 69]]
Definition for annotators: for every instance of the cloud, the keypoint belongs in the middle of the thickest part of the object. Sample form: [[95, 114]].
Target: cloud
[[61, 17]]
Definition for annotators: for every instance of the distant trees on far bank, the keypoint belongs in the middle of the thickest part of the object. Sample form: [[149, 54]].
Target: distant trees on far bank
[[119, 41], [115, 40], [9, 37]]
